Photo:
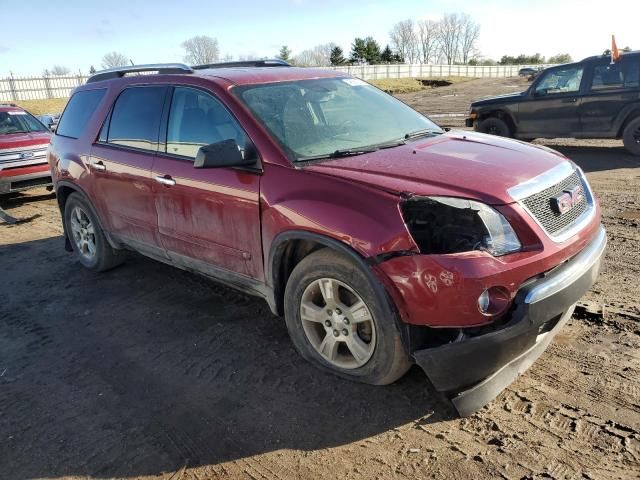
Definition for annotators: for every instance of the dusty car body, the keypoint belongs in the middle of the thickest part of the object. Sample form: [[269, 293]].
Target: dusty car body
[[23, 149], [458, 251]]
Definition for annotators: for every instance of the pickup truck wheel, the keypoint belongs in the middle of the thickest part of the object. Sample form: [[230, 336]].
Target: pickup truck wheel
[[631, 136], [494, 126], [336, 320], [89, 243]]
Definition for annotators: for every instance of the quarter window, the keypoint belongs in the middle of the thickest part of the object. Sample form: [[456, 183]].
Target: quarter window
[[135, 121], [562, 80], [78, 112], [197, 119], [622, 74]]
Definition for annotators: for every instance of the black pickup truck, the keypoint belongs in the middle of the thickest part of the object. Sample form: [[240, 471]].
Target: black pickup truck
[[593, 98]]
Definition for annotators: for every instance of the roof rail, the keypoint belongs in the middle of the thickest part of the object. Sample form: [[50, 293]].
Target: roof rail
[[118, 72], [244, 63]]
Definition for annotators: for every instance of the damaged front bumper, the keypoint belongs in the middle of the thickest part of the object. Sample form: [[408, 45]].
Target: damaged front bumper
[[472, 372]]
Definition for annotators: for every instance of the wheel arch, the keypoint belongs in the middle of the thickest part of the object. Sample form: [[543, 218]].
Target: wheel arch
[[63, 190], [628, 118], [290, 247], [502, 115]]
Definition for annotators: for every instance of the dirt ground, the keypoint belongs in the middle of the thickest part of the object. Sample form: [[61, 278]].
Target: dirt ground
[[150, 372]]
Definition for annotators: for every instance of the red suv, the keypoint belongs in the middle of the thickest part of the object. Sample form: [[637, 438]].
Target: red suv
[[382, 239], [23, 150]]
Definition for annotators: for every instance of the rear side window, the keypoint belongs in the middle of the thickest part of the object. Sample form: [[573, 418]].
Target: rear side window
[[78, 112], [622, 74], [135, 120]]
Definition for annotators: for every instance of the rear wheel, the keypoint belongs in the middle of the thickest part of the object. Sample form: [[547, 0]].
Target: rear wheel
[[495, 126], [631, 136], [336, 320], [89, 242]]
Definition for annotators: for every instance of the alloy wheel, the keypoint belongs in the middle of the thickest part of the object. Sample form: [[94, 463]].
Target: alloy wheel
[[83, 232], [338, 323]]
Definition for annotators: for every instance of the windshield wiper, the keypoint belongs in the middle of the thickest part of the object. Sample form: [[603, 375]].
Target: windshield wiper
[[422, 133], [350, 152]]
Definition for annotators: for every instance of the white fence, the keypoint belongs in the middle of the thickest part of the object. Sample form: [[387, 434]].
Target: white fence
[[375, 72], [32, 88]]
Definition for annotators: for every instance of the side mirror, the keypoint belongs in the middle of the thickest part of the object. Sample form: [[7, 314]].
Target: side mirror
[[224, 154]]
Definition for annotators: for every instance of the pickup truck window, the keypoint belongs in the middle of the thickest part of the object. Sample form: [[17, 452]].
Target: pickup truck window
[[623, 74], [562, 80]]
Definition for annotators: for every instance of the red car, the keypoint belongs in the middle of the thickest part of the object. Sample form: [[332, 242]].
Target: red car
[[23, 150], [380, 238]]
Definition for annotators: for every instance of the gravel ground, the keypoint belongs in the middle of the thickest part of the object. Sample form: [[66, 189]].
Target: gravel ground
[[150, 372]]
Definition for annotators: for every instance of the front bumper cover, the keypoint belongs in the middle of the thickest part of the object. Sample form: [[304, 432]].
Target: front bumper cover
[[472, 372]]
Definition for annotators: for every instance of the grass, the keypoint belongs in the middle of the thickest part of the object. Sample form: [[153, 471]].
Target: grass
[[39, 107], [412, 84]]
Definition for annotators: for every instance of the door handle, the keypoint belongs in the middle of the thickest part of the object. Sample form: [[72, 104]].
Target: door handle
[[165, 180], [98, 165], [570, 100]]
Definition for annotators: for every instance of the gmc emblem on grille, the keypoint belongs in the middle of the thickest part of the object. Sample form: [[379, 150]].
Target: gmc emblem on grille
[[26, 155], [567, 200]]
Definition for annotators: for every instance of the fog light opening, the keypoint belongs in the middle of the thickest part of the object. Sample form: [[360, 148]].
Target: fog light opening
[[483, 302], [493, 301]]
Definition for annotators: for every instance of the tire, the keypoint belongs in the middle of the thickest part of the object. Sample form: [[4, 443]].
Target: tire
[[494, 126], [89, 244], [631, 136], [371, 330]]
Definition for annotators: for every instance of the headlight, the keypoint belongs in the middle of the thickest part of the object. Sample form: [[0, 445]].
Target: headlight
[[452, 225]]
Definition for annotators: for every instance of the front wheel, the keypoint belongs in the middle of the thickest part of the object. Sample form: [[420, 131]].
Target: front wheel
[[494, 126], [337, 321], [631, 137]]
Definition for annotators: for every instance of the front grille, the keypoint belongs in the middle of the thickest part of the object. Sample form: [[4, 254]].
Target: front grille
[[540, 205]]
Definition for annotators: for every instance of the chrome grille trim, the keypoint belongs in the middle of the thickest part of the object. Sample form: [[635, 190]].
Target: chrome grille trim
[[529, 195]]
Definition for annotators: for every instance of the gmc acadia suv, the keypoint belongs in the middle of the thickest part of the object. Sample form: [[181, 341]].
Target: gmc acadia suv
[[589, 99], [23, 150], [382, 239]]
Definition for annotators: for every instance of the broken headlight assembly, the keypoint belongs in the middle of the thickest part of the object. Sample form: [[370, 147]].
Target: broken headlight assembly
[[442, 225]]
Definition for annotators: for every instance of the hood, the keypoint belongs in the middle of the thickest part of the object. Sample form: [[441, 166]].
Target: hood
[[21, 140], [460, 164], [504, 98]]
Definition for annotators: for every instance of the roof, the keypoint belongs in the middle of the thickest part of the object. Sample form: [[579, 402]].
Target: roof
[[10, 107], [600, 57], [251, 75], [235, 73]]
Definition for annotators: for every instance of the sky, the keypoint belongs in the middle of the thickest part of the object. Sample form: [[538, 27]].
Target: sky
[[37, 34]]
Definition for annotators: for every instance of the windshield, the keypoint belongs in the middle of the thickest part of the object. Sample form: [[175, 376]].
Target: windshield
[[327, 117], [19, 122]]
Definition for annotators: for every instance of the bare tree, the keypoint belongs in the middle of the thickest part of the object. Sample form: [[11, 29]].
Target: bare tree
[[450, 34], [428, 31], [469, 34], [405, 40], [60, 70], [201, 50], [318, 56], [114, 59]]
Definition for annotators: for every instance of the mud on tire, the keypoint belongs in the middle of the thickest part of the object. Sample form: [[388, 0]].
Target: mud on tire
[[87, 239], [380, 356]]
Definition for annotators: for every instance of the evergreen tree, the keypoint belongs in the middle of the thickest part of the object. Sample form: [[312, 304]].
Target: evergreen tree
[[387, 55], [372, 51], [284, 54], [92, 70], [358, 50], [337, 56]]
